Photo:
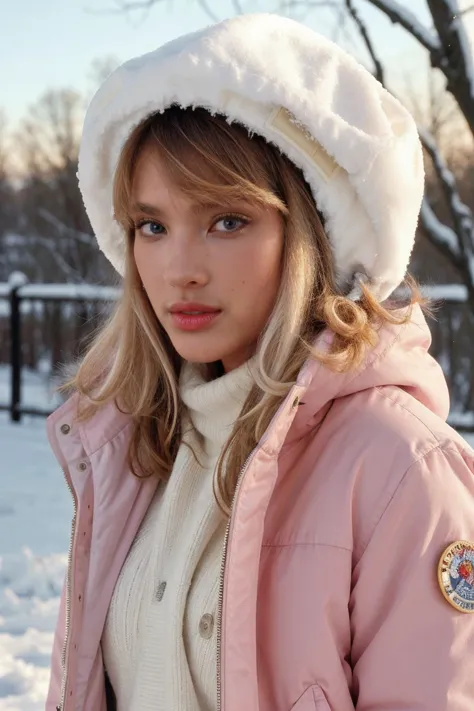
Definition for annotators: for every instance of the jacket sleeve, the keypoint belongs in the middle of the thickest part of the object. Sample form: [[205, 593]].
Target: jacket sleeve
[[411, 650], [55, 682]]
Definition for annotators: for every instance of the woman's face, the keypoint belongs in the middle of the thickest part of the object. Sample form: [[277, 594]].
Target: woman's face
[[211, 272]]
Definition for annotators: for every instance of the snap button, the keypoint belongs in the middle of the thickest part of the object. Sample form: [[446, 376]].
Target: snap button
[[82, 466], [160, 591], [206, 626], [296, 401], [65, 429]]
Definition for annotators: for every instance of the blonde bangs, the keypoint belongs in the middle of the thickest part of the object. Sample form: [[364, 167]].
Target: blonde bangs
[[209, 166]]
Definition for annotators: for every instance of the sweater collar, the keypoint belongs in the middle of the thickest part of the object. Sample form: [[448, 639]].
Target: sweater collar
[[214, 405]]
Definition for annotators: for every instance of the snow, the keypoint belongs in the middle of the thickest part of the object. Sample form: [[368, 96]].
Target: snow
[[54, 292], [446, 292], [460, 241], [63, 292], [446, 176], [26, 307], [73, 292], [17, 279], [463, 420], [438, 232], [14, 240], [37, 391], [35, 518]]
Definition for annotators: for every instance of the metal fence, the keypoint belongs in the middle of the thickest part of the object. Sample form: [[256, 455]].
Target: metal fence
[[47, 325]]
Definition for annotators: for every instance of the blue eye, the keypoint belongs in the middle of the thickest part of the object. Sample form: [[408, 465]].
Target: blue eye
[[148, 228], [230, 223]]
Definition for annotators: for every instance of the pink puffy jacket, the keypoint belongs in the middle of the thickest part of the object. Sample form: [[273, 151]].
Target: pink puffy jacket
[[330, 596]]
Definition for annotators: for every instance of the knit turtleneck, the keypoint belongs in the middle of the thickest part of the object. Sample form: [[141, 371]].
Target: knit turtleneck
[[160, 637], [214, 406]]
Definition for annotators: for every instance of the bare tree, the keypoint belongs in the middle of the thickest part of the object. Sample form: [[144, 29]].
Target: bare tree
[[7, 199], [449, 52], [446, 215], [52, 212]]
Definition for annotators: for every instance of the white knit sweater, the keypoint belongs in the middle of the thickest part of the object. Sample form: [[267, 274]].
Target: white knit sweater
[[159, 641]]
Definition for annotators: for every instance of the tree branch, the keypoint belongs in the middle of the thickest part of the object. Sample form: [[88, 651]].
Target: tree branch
[[379, 71], [457, 63], [400, 15], [460, 213], [69, 272], [457, 244], [448, 46], [446, 241], [65, 230], [440, 235]]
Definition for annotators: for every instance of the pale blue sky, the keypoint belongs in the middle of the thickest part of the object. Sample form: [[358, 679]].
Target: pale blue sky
[[52, 43]]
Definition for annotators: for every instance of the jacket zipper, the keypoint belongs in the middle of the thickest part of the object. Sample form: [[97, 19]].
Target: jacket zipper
[[65, 650], [220, 602]]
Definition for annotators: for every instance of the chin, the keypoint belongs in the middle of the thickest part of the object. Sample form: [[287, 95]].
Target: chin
[[201, 350]]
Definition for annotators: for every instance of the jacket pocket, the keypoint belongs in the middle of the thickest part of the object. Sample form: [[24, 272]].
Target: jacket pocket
[[313, 699]]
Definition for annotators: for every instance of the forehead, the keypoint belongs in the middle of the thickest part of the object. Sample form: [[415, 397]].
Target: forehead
[[155, 189], [189, 180], [150, 169], [155, 192], [184, 164]]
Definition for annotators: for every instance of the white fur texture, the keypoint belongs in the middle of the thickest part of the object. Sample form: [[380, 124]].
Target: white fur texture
[[248, 68]]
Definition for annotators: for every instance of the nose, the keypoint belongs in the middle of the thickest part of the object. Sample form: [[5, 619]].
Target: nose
[[186, 264]]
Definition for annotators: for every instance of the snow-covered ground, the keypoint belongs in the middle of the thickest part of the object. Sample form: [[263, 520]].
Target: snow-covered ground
[[35, 516]]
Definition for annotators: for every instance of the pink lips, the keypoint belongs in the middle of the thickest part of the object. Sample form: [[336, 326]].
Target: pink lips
[[190, 316]]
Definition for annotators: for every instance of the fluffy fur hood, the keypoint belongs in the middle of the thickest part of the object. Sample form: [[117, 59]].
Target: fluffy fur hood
[[357, 145]]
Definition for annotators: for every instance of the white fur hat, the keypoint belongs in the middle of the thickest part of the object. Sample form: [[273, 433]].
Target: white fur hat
[[357, 145]]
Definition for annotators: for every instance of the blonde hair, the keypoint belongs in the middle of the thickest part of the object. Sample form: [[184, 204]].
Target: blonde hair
[[133, 363]]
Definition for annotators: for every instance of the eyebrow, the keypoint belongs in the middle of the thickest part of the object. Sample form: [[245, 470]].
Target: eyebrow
[[154, 211], [146, 208]]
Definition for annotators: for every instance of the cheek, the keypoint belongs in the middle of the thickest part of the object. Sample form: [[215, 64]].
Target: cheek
[[138, 258], [262, 268], [263, 247], [252, 279], [146, 266]]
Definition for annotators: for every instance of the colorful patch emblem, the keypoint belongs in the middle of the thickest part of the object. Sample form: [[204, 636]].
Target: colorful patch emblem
[[456, 575]]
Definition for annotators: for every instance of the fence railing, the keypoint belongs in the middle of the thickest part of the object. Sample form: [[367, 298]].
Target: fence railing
[[44, 321], [44, 325]]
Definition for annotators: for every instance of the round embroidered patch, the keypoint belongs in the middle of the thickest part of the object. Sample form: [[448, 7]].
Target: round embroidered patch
[[456, 575]]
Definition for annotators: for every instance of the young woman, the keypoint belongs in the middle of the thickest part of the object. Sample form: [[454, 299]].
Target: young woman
[[270, 511]]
